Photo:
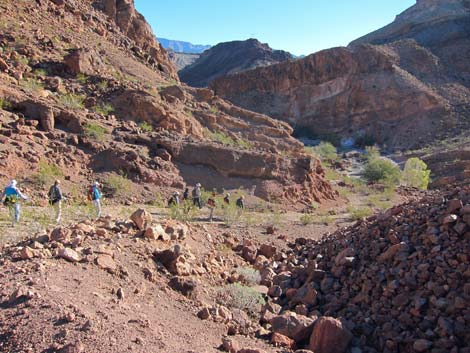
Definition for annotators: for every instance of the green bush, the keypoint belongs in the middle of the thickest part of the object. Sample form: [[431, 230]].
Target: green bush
[[249, 275], [146, 127], [47, 173], [416, 174], [82, 78], [118, 184], [72, 101], [5, 104], [359, 213], [307, 218], [219, 136], [184, 212], [326, 151], [96, 132], [102, 85], [32, 85], [40, 72], [103, 108], [241, 297], [381, 170]]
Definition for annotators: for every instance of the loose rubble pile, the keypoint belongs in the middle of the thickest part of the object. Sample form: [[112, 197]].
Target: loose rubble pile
[[395, 282]]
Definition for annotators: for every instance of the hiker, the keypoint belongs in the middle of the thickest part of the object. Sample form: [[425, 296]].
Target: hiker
[[241, 202], [197, 196], [211, 205], [55, 199], [174, 199], [227, 199], [94, 195], [186, 194], [12, 201]]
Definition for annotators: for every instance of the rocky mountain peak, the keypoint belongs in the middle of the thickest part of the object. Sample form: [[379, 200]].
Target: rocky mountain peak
[[229, 58]]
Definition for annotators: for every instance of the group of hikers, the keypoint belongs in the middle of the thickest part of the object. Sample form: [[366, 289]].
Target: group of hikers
[[12, 196], [196, 197]]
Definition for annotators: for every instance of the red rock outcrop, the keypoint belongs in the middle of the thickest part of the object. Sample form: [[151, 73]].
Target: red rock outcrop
[[407, 88], [134, 26]]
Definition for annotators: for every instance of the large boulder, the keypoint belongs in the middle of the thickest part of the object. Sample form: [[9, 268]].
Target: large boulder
[[329, 336], [141, 218], [84, 61], [36, 110], [297, 327]]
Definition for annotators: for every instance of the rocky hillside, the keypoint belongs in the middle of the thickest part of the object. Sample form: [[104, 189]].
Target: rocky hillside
[[396, 282], [229, 58], [402, 87], [88, 89], [182, 47]]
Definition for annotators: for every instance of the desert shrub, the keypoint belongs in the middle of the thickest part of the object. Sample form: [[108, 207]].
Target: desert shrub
[[307, 218], [82, 78], [219, 136], [95, 132], [118, 184], [146, 127], [274, 219], [184, 212], [102, 85], [245, 144], [231, 214], [5, 104], [241, 297], [47, 173], [40, 72], [372, 152], [32, 85], [72, 101], [103, 108], [326, 219], [381, 170], [416, 174], [326, 151], [249, 275], [359, 212]]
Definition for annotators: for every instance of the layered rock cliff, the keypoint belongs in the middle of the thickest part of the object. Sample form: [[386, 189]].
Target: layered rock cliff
[[407, 88], [89, 90], [229, 58]]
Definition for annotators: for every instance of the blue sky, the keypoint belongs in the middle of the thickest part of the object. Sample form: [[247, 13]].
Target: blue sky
[[298, 26]]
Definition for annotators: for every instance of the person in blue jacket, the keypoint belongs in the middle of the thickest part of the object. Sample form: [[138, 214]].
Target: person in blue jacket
[[94, 195], [11, 197]]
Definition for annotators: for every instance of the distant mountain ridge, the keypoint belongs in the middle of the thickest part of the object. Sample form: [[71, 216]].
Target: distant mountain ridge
[[183, 47], [229, 58]]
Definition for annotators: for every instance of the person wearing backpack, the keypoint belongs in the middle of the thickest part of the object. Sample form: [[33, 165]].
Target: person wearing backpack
[[227, 199], [197, 196], [12, 197], [241, 202], [55, 199], [186, 194], [94, 195], [174, 199], [211, 205]]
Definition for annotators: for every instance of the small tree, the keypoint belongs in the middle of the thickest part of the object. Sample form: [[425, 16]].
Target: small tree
[[416, 174], [381, 170]]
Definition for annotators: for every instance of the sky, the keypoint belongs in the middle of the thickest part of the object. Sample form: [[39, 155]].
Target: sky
[[299, 26]]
